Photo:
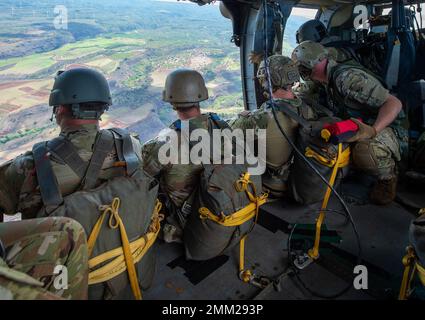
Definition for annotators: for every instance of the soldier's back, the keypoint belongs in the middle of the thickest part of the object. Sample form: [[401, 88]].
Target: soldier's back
[[19, 190]]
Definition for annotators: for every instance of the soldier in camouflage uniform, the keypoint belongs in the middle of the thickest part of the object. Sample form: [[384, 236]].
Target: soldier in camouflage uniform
[[353, 92], [30, 251], [79, 98], [314, 30], [283, 73], [184, 90]]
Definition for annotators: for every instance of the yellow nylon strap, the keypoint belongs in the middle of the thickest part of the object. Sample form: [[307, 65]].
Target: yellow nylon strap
[[343, 157], [138, 248], [408, 261], [239, 217], [245, 275], [242, 254], [243, 183], [421, 272], [339, 163], [128, 254]]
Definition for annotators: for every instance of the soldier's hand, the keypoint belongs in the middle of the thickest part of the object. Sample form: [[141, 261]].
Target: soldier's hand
[[255, 57], [365, 132]]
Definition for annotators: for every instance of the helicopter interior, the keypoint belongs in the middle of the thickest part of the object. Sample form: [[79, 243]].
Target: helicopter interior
[[388, 37], [396, 43]]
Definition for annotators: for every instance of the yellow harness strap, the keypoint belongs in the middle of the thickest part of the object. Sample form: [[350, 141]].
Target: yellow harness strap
[[240, 217], [126, 256], [342, 160], [411, 267], [343, 157], [421, 272], [408, 262]]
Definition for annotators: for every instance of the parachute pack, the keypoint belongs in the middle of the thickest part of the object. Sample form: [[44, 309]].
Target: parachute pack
[[225, 210], [119, 232], [224, 207], [306, 187]]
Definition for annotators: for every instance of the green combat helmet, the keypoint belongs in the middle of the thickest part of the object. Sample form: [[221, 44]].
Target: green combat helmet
[[184, 88], [313, 30], [307, 54], [81, 86], [283, 72]]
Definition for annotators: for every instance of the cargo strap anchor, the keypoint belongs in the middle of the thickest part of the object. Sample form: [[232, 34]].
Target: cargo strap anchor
[[258, 281], [342, 160], [303, 261], [247, 275]]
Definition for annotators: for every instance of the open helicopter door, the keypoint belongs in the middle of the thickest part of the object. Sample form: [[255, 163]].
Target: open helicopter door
[[253, 40]]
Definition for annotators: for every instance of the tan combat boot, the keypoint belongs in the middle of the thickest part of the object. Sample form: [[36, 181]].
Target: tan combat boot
[[275, 185], [384, 191]]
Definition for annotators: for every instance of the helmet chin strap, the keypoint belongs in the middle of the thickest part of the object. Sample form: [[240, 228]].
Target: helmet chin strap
[[53, 113]]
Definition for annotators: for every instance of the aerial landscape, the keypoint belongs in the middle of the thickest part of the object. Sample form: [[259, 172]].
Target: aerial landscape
[[118, 181], [135, 49]]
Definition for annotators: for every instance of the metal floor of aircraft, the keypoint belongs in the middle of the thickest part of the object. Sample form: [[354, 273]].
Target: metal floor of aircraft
[[383, 232]]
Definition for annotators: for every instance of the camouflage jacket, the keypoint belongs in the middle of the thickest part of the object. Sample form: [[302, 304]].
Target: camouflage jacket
[[179, 180], [354, 92], [34, 248], [19, 190], [262, 118]]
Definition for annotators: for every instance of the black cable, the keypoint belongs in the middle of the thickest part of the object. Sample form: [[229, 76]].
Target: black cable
[[302, 156]]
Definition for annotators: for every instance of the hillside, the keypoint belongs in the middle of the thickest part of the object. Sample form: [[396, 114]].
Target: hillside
[[135, 49]]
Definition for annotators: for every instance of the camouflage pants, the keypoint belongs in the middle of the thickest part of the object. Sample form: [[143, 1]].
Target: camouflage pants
[[34, 248], [377, 156]]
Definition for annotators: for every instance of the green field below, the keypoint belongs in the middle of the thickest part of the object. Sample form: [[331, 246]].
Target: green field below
[[115, 47]]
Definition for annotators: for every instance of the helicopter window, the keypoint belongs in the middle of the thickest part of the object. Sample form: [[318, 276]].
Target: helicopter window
[[134, 43], [296, 19], [420, 16]]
